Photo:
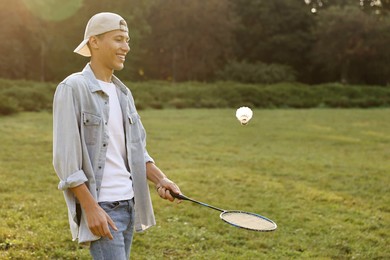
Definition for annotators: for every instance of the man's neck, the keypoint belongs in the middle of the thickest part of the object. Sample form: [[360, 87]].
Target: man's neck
[[100, 72]]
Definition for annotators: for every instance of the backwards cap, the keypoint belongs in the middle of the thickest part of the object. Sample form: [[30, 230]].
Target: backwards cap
[[98, 24]]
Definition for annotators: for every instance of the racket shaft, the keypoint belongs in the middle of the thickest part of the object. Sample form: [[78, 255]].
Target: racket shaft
[[183, 197]]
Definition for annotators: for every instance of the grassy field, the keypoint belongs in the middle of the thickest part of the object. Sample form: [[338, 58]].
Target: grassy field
[[322, 175]]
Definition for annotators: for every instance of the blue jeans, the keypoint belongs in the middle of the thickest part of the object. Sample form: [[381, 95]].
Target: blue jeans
[[122, 213]]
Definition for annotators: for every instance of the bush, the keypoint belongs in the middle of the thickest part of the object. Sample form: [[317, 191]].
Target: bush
[[29, 99], [33, 96], [224, 94], [8, 106], [210, 102], [27, 95], [258, 72], [180, 103]]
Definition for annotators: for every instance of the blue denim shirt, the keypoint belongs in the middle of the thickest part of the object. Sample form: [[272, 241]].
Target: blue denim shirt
[[80, 138]]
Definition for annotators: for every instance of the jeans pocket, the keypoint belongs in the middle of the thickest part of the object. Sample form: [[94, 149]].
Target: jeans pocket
[[109, 206]]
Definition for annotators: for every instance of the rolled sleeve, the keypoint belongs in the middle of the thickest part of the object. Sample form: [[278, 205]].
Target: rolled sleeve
[[73, 180], [67, 151], [148, 158]]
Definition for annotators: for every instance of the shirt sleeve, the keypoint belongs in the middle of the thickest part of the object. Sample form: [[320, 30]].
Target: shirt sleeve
[[67, 152], [147, 157]]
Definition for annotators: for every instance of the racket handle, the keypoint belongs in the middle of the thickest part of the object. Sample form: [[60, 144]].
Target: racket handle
[[178, 196], [183, 197]]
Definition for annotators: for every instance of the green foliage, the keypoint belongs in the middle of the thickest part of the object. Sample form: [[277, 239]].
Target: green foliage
[[275, 32], [376, 7], [344, 41], [320, 174], [8, 105], [282, 95], [48, 9], [25, 96], [258, 72], [193, 39], [34, 96], [359, 53]]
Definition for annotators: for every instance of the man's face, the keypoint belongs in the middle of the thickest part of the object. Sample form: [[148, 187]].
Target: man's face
[[113, 48]]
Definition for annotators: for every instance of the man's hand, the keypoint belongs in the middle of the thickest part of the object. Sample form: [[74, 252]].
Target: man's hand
[[98, 221], [165, 186]]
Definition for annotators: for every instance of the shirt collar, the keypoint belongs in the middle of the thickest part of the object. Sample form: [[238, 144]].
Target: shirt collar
[[94, 84]]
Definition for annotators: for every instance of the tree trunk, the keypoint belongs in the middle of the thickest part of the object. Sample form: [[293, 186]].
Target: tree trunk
[[43, 54]]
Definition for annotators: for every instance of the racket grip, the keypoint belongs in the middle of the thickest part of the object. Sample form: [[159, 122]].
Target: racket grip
[[178, 196]]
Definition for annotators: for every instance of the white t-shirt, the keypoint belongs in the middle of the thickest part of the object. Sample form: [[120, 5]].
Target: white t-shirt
[[116, 182]]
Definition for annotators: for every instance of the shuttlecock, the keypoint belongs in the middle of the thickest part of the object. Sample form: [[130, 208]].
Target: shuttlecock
[[244, 114]]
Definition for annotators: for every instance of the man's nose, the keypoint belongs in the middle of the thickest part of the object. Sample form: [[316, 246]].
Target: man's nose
[[126, 47]]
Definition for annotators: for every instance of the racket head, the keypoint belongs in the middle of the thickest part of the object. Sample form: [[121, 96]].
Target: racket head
[[248, 220]]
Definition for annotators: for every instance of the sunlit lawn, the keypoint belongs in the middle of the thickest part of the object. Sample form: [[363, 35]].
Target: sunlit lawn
[[322, 175]]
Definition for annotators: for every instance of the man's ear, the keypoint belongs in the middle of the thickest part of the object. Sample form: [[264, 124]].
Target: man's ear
[[93, 42]]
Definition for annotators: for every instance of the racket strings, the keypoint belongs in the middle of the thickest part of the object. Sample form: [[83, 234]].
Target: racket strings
[[248, 221]]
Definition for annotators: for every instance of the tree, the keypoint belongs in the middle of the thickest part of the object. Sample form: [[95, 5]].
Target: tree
[[12, 29], [374, 6], [278, 31], [41, 37], [351, 47], [189, 40]]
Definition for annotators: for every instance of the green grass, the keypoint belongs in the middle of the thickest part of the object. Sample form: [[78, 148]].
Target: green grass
[[321, 174]]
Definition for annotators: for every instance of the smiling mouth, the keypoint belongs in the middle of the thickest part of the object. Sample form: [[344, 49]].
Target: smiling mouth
[[122, 57]]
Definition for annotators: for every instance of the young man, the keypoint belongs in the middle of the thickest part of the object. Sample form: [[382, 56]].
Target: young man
[[99, 147]]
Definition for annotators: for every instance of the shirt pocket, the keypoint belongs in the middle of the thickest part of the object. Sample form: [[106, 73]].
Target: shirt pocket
[[91, 124], [135, 127]]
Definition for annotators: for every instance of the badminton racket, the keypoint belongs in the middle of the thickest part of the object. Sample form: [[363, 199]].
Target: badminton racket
[[240, 219]]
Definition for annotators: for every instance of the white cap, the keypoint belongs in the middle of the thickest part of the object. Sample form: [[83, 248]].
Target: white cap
[[98, 24]]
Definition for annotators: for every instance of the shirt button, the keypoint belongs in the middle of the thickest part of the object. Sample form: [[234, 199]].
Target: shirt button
[[100, 167], [105, 123], [104, 145]]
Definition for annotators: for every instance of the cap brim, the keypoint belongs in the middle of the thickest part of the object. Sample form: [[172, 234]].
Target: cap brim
[[83, 49]]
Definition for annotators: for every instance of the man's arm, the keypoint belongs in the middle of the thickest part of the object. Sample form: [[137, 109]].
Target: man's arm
[[98, 220], [163, 184]]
